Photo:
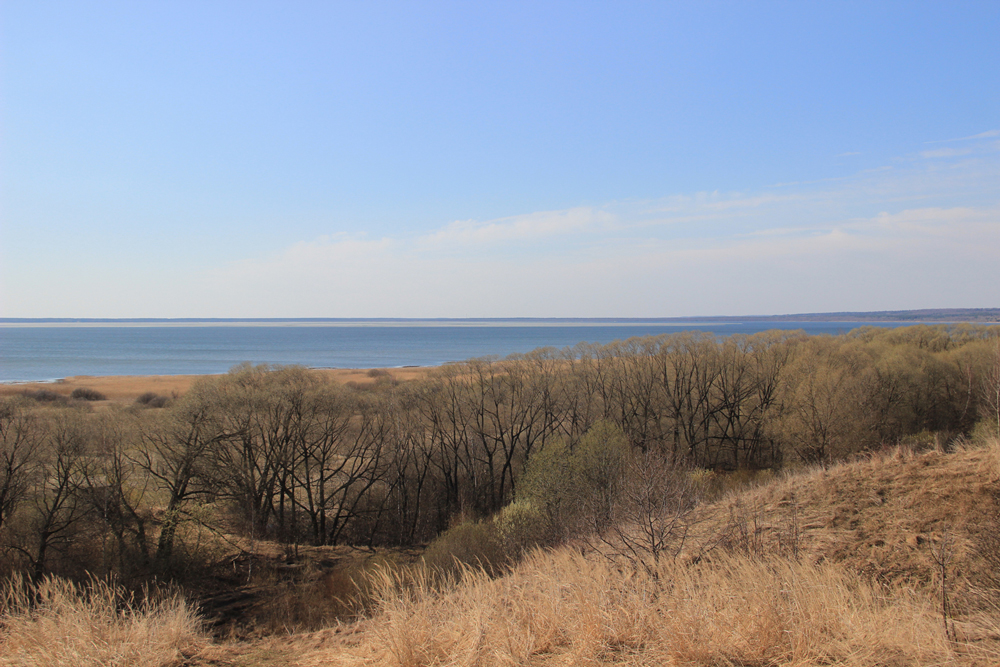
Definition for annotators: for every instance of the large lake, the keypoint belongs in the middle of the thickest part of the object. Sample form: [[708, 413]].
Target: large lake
[[47, 352]]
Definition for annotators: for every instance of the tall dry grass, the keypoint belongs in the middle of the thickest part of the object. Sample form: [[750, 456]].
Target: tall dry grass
[[563, 608], [58, 623]]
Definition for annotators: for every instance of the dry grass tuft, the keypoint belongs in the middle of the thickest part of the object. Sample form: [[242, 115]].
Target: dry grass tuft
[[58, 623], [563, 608]]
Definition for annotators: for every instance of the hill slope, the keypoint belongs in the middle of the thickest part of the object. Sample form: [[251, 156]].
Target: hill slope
[[837, 566], [885, 516], [830, 566]]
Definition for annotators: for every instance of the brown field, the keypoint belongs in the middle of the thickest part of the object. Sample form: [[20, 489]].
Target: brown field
[[125, 388]]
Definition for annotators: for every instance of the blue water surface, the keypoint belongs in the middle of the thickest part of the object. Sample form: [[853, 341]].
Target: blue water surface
[[32, 353]]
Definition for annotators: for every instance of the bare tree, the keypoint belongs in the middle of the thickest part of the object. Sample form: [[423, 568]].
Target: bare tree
[[652, 507], [337, 456], [259, 413], [57, 503], [118, 490], [991, 388], [20, 437], [689, 367], [174, 455]]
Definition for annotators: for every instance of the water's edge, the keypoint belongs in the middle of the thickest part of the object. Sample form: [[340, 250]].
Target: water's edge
[[53, 351]]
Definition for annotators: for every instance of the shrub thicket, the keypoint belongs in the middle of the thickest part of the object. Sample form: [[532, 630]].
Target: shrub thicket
[[86, 394], [151, 399]]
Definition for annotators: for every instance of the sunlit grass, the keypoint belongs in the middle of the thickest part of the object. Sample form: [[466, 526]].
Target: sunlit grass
[[58, 623]]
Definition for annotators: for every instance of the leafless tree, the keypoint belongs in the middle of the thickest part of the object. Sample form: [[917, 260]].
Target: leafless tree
[[20, 437], [57, 503], [652, 507]]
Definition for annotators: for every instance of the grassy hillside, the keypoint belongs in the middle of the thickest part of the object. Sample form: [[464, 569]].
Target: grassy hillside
[[840, 565], [830, 566]]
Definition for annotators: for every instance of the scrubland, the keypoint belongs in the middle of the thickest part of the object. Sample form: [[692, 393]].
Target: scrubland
[[764, 500]]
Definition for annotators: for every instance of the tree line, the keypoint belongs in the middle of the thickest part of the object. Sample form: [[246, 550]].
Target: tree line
[[279, 453]]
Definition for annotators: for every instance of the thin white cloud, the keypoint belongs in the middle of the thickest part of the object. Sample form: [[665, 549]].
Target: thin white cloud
[[704, 206], [922, 234], [751, 202], [982, 135], [932, 252], [528, 227], [946, 152]]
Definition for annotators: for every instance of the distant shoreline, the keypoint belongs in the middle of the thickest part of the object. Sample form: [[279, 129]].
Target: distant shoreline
[[34, 351], [119, 388], [924, 316]]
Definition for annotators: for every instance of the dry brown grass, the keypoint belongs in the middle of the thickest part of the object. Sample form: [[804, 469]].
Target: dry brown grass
[[881, 516], [837, 567], [327, 586], [126, 388], [58, 623], [831, 566], [563, 608]]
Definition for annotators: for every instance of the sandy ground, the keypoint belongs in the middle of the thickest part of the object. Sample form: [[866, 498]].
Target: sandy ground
[[128, 387]]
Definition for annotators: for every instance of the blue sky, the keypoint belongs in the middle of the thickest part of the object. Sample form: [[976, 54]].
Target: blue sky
[[421, 159]]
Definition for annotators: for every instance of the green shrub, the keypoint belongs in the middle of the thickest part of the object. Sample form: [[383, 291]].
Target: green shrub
[[985, 432], [573, 488], [491, 544], [470, 543], [519, 528]]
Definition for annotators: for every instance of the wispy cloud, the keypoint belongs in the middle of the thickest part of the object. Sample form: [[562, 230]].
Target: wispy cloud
[[946, 152], [982, 135], [921, 234], [521, 228]]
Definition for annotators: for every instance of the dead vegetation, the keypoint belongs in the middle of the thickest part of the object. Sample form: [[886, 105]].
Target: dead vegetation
[[614, 505], [56, 623], [836, 565]]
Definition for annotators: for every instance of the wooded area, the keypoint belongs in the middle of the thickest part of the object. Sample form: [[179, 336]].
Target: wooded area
[[279, 453]]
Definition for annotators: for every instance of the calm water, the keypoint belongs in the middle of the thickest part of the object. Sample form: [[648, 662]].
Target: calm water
[[50, 352]]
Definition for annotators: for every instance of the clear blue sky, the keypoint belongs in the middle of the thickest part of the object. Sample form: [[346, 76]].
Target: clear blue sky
[[497, 159]]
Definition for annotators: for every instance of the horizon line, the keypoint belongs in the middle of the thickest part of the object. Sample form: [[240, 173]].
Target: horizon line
[[915, 315]]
